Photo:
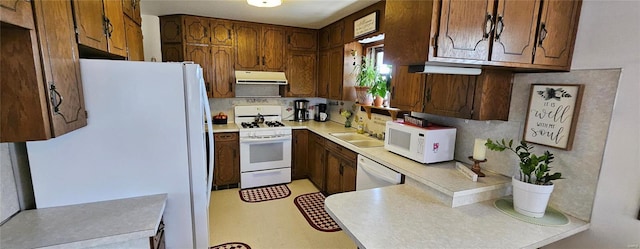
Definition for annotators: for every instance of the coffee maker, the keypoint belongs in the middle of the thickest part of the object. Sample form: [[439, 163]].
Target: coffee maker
[[321, 114], [300, 112]]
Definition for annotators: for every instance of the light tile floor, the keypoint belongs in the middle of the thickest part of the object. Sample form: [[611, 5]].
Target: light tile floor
[[269, 224]]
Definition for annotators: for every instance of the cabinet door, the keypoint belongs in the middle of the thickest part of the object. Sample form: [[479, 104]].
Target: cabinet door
[[248, 46], [222, 72], [336, 61], [196, 30], [348, 176], [336, 35], [302, 39], [17, 12], [334, 173], [407, 89], [317, 157], [170, 29], [465, 29], [323, 38], [300, 154], [323, 74], [116, 33], [131, 8], [201, 54], [221, 32], [90, 22], [450, 95], [557, 32], [227, 159], [515, 32], [172, 52], [134, 40], [61, 65], [301, 74], [273, 49]]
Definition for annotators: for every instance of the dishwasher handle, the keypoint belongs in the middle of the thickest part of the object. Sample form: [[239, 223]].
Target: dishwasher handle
[[375, 173]]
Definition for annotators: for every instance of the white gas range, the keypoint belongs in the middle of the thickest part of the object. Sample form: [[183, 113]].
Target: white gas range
[[265, 146]]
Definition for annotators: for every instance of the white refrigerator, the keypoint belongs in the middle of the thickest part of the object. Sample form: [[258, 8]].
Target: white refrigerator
[[145, 135]]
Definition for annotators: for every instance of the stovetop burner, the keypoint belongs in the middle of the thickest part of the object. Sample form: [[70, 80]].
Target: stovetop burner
[[249, 125], [274, 124]]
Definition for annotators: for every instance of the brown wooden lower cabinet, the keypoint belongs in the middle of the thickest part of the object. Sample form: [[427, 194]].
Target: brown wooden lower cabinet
[[299, 154], [341, 169], [332, 168], [227, 159], [157, 241], [317, 159]]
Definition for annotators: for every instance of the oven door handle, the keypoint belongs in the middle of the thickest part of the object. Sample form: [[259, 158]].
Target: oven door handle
[[265, 140]]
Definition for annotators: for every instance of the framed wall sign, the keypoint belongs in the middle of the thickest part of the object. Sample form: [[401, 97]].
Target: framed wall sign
[[365, 25], [553, 114]]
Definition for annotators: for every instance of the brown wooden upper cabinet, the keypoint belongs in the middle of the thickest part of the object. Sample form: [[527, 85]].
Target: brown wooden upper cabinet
[[196, 30], [222, 32], [482, 32], [302, 39], [332, 35], [41, 94], [135, 50], [259, 47], [407, 89], [131, 8], [301, 74], [100, 25], [483, 97]]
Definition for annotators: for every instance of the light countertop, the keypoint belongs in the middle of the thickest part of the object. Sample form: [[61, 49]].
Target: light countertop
[[403, 216], [219, 128], [85, 225]]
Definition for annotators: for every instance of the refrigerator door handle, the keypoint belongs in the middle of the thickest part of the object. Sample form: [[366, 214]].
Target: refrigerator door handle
[[209, 121]]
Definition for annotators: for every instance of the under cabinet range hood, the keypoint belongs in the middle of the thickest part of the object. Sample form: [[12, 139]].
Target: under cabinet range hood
[[433, 69], [260, 78]]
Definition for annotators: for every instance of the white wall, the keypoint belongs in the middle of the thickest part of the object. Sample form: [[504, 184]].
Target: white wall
[[608, 37], [151, 37]]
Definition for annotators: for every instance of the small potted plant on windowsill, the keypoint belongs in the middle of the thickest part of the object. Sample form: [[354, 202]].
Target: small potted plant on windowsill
[[379, 91], [365, 80], [533, 187]]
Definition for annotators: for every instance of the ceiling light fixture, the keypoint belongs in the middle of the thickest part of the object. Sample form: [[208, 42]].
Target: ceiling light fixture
[[264, 3]]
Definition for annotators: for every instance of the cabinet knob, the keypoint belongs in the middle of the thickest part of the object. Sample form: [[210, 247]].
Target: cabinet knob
[[56, 98], [488, 26], [543, 33], [500, 27]]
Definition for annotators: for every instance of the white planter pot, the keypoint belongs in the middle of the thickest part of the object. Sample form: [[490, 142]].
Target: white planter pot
[[530, 199]]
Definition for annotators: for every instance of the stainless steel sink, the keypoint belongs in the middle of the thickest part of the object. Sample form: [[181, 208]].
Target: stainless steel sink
[[358, 140]]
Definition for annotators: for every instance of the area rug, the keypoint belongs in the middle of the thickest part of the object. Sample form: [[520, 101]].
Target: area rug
[[265, 193], [312, 208], [551, 216], [231, 245]]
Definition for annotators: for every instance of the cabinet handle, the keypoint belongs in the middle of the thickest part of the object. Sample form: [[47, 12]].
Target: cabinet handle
[[230, 87], [543, 33], [133, 4], [56, 98], [488, 26], [341, 169], [500, 27], [108, 27], [263, 61], [429, 95], [229, 34], [258, 60], [206, 32], [393, 92], [289, 39]]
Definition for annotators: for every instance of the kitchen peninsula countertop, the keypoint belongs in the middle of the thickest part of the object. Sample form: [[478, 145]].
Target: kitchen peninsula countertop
[[403, 216], [95, 224]]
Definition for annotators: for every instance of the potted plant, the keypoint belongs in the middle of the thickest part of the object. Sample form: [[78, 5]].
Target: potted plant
[[365, 79], [379, 91], [533, 187]]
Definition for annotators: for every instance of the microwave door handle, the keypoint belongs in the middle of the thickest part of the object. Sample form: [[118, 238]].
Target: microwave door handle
[[375, 173], [265, 140], [207, 114]]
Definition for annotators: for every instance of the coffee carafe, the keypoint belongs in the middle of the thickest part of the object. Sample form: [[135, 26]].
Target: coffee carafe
[[321, 113], [300, 112]]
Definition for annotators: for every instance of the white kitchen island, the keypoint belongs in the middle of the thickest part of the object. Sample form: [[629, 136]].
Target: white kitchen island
[[404, 216]]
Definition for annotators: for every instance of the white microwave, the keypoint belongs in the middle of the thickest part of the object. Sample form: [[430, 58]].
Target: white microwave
[[429, 144]]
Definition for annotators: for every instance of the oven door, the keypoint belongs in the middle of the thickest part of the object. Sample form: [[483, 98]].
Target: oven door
[[265, 153]]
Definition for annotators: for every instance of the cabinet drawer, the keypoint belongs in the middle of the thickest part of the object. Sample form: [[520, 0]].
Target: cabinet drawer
[[342, 151], [230, 136]]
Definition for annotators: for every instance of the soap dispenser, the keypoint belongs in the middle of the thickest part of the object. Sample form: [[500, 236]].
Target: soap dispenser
[[360, 127]]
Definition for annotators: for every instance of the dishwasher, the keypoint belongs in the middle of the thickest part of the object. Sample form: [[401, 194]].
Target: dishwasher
[[371, 174]]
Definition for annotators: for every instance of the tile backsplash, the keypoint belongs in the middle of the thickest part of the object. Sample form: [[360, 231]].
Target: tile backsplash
[[226, 105]]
